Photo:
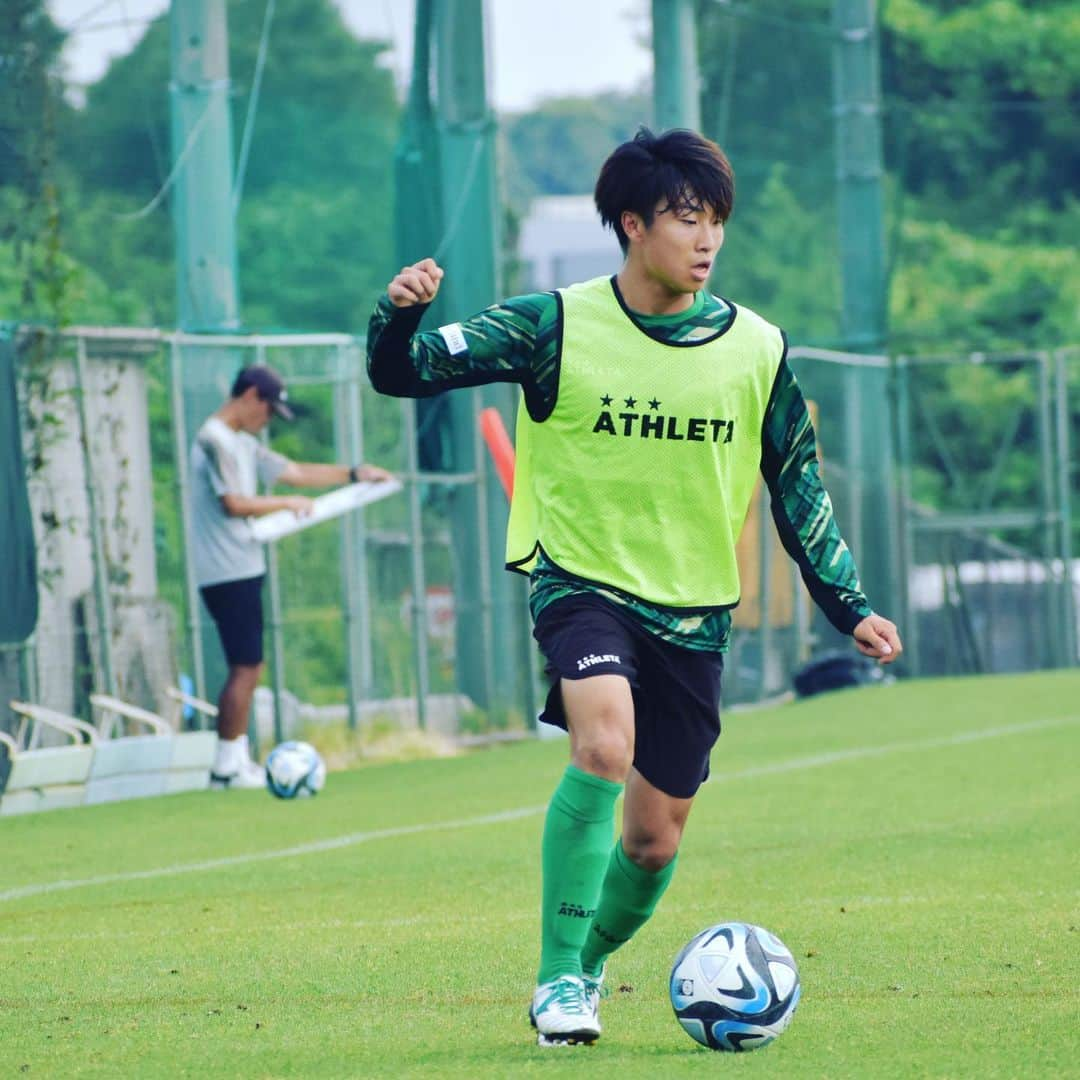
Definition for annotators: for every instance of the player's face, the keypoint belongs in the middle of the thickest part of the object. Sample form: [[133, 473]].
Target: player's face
[[257, 413], [678, 248]]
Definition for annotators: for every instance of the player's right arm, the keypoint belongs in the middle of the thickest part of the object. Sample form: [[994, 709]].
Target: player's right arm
[[259, 505], [416, 284], [513, 341]]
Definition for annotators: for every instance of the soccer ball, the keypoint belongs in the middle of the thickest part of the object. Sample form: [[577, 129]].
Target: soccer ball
[[734, 987], [294, 768]]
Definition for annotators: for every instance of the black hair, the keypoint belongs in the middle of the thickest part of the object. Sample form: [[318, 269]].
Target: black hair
[[680, 167]]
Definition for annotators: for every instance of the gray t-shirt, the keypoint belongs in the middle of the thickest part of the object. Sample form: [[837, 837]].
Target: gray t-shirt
[[227, 462]]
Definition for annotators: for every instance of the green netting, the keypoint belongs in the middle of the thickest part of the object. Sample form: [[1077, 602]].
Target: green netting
[[18, 582]]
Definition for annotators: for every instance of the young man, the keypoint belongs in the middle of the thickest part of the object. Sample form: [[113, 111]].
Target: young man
[[648, 408], [227, 464]]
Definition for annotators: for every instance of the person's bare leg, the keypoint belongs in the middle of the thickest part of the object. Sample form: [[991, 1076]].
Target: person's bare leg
[[233, 766], [600, 715], [653, 823], [234, 704]]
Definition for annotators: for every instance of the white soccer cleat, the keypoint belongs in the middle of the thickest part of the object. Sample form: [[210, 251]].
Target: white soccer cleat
[[562, 1013], [594, 991], [248, 775]]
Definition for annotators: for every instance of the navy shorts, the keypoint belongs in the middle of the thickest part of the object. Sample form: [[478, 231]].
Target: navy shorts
[[676, 691], [236, 607]]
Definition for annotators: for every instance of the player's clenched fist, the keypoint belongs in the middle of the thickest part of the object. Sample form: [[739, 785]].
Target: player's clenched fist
[[416, 284]]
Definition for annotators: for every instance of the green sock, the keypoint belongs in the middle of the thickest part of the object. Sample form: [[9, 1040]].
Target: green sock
[[577, 837], [627, 900]]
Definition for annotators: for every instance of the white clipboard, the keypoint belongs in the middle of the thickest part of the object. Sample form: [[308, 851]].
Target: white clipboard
[[333, 504]]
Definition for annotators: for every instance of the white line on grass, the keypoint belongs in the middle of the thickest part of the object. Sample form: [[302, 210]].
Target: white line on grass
[[834, 757], [792, 765], [262, 856]]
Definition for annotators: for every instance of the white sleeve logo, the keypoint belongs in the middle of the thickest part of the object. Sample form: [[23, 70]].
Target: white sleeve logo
[[454, 337]]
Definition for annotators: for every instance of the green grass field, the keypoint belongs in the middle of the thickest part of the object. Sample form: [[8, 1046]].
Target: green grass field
[[916, 846]]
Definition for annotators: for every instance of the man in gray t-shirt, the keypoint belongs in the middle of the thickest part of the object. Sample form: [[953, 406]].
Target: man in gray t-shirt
[[228, 465], [225, 462]]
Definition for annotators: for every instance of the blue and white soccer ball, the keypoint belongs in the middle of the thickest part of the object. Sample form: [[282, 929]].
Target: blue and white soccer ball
[[294, 768], [734, 987]]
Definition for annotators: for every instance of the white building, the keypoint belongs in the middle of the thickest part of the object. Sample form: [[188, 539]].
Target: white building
[[562, 241]]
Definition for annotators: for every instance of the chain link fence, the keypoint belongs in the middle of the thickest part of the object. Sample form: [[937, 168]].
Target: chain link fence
[[986, 484], [960, 521]]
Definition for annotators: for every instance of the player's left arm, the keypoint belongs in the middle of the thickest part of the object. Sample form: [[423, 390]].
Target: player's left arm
[[316, 474], [804, 518]]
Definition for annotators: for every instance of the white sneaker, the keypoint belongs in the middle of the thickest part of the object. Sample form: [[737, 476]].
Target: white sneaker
[[561, 1013], [248, 775]]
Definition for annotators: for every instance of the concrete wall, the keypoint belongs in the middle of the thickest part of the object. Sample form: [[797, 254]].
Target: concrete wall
[[67, 647]]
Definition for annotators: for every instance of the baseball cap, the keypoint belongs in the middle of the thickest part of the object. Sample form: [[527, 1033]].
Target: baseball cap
[[269, 384]]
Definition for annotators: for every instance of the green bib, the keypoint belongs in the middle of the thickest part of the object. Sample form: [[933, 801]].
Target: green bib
[[642, 475]]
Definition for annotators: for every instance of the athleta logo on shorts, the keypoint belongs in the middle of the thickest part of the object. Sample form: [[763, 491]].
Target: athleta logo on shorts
[[594, 658]]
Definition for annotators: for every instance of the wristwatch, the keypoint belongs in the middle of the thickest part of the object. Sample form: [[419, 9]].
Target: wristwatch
[[354, 474]]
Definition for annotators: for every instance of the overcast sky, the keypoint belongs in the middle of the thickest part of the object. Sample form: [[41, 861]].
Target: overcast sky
[[537, 49]]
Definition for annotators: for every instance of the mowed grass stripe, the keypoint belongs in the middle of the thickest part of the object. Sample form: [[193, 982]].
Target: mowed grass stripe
[[351, 839]]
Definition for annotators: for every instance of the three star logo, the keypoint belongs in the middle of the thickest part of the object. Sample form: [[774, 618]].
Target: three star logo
[[652, 424]]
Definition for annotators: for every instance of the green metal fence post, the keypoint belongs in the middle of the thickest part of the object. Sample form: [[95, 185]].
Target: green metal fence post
[[859, 173], [901, 379], [676, 79], [204, 229], [349, 446], [1057, 644], [1064, 506], [192, 623], [417, 574], [469, 246], [206, 292]]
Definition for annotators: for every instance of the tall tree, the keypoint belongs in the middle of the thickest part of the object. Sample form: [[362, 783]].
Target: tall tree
[[313, 220], [983, 101], [558, 147], [982, 140], [30, 111]]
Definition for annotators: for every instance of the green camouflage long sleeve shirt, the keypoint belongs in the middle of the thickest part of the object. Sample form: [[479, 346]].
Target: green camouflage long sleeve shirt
[[518, 341]]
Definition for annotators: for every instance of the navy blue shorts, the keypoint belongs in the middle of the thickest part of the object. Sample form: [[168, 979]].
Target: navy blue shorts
[[236, 607], [676, 691]]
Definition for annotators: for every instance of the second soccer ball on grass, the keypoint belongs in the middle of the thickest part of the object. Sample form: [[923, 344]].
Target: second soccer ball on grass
[[294, 769]]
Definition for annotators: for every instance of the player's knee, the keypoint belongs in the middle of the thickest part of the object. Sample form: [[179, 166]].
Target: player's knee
[[607, 752], [652, 852]]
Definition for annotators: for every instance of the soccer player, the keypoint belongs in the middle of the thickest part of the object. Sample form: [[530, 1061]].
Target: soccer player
[[227, 463], [648, 408]]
